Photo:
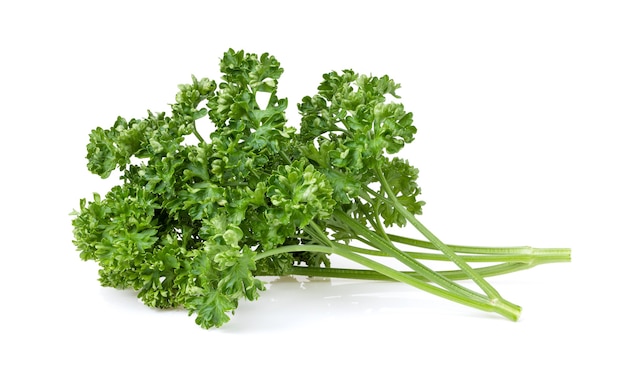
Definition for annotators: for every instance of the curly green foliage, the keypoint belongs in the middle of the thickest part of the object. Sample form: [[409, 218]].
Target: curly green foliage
[[194, 225], [184, 226], [352, 109], [347, 130], [299, 194], [152, 137]]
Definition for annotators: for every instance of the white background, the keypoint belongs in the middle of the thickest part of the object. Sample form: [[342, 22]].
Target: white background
[[520, 109]]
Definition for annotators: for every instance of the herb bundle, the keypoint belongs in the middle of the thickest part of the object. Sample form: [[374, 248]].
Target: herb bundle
[[196, 220]]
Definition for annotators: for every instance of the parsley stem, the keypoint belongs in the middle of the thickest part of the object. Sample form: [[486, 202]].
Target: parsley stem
[[532, 255], [478, 301], [364, 274], [389, 249], [453, 292], [196, 133], [535, 255], [477, 278], [293, 248]]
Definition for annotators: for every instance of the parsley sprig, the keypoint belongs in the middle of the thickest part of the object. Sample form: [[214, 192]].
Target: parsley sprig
[[196, 224]]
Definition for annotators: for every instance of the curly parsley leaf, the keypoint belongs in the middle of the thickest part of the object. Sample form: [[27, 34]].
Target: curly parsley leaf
[[195, 225]]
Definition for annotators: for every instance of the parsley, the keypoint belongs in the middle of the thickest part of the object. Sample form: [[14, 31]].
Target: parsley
[[195, 225]]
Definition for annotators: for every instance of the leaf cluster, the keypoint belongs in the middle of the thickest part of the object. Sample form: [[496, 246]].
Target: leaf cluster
[[187, 220], [196, 220], [349, 129]]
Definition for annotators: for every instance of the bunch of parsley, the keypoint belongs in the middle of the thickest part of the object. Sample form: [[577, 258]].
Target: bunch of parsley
[[196, 220]]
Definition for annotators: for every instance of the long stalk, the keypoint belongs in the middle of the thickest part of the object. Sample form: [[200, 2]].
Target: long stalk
[[364, 274], [533, 254], [507, 263], [491, 292], [389, 249], [530, 255], [473, 299]]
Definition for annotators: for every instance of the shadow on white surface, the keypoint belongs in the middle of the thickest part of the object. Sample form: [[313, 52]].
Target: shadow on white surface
[[294, 303], [304, 303]]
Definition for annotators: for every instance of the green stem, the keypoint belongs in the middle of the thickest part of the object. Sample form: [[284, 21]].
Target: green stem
[[507, 310], [196, 133], [531, 259], [377, 270], [293, 248], [347, 273], [534, 255], [477, 278], [389, 249], [509, 263]]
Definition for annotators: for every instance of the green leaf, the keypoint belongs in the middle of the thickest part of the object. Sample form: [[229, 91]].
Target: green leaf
[[211, 308]]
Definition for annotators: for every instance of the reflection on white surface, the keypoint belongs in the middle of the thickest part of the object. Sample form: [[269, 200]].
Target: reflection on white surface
[[295, 302], [292, 303]]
